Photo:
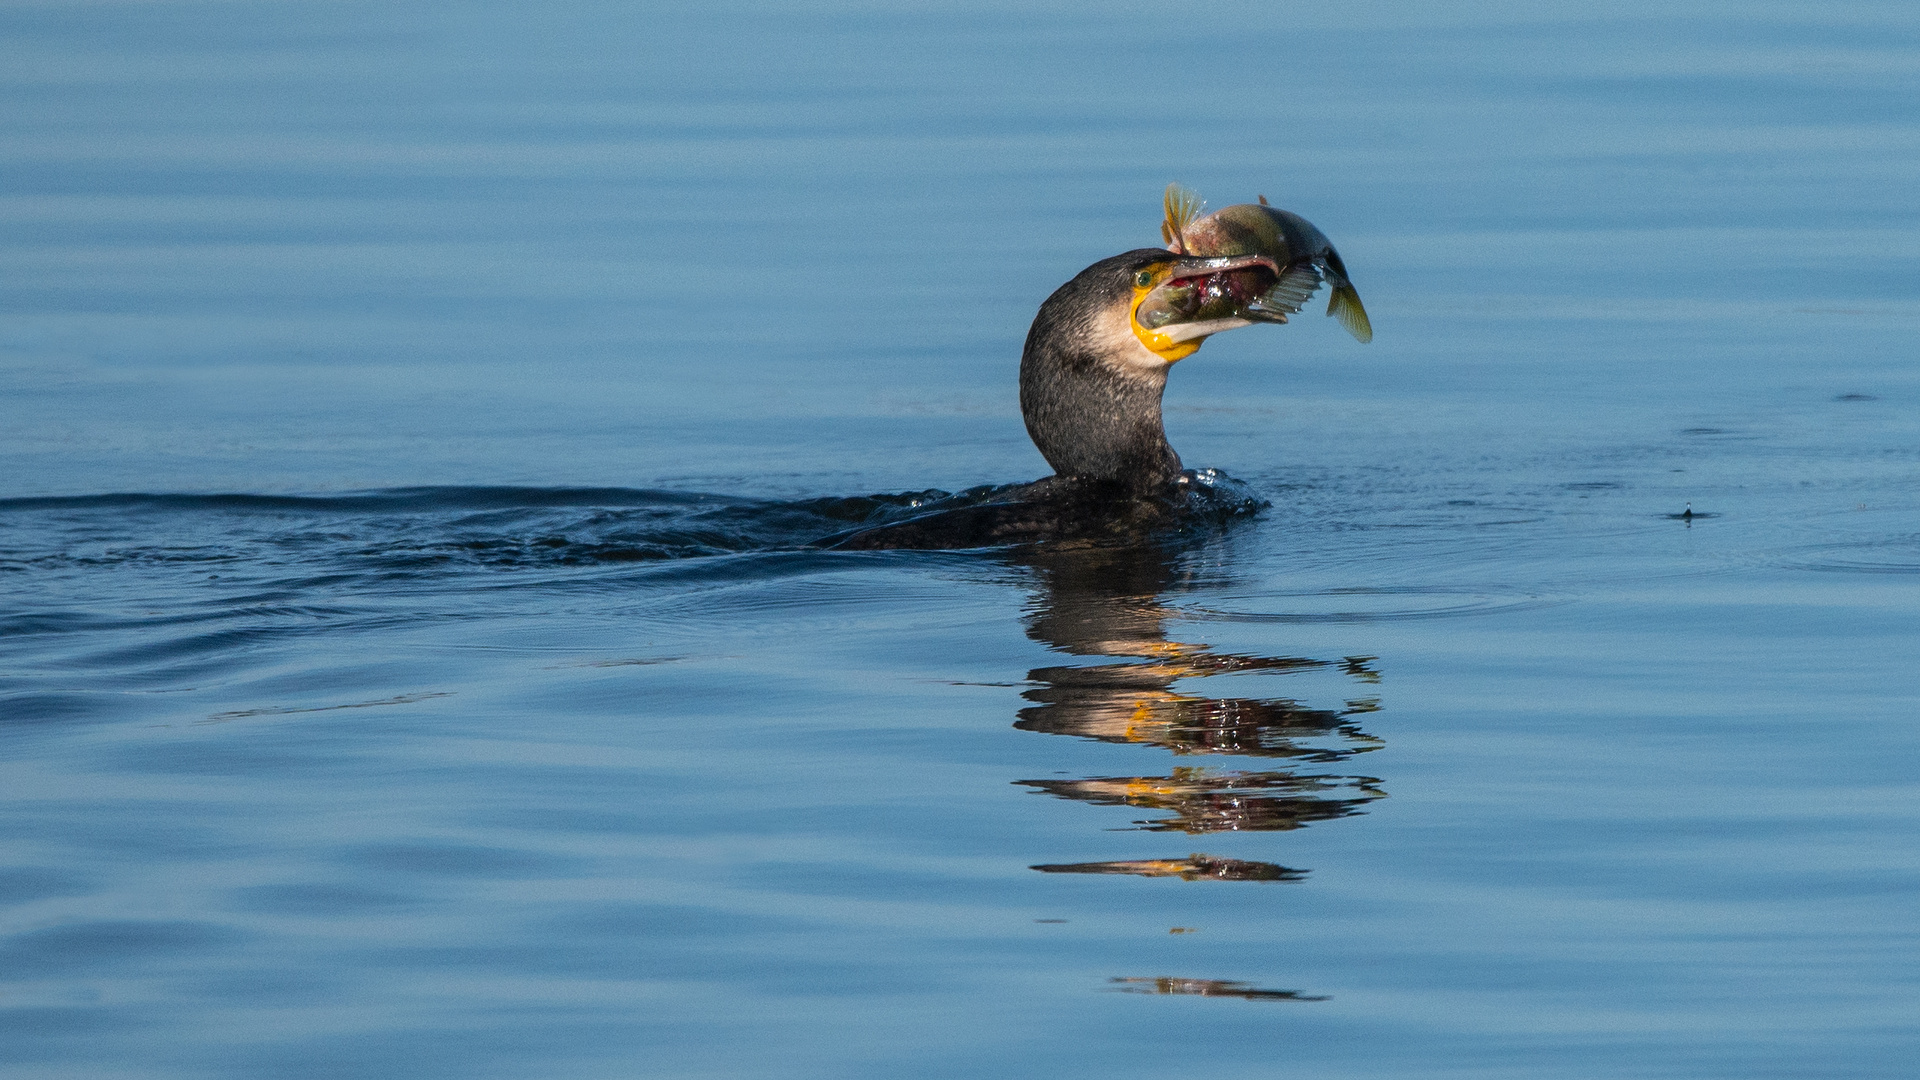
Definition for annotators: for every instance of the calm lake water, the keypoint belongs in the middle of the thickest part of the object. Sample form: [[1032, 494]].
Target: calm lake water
[[412, 664]]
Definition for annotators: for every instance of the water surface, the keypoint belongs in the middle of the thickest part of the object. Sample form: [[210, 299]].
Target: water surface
[[414, 662]]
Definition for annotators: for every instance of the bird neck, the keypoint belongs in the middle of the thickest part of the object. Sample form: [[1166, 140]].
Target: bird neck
[[1093, 417]]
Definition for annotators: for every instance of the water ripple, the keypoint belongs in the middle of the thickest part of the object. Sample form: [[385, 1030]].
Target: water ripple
[[1889, 556], [1353, 605]]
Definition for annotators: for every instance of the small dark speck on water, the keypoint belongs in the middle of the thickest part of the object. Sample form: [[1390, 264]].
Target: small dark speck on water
[[1857, 397]]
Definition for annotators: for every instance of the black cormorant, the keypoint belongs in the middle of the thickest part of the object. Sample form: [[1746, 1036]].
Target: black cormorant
[[1092, 373], [1095, 365]]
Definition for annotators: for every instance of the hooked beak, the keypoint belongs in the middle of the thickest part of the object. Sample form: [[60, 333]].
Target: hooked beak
[[1193, 266]]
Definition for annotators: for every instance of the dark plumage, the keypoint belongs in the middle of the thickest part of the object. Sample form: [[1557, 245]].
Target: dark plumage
[[1092, 374], [1090, 391], [1091, 377]]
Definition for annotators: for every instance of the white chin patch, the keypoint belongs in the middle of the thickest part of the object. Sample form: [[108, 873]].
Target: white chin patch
[[1189, 331]]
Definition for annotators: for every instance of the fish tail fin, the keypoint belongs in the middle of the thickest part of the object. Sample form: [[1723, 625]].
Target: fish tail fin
[[1181, 206], [1345, 306]]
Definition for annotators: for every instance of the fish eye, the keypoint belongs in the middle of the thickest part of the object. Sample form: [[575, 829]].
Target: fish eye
[[1143, 279]]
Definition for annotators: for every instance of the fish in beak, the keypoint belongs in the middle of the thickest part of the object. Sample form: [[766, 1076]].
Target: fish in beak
[[1297, 258], [1180, 301]]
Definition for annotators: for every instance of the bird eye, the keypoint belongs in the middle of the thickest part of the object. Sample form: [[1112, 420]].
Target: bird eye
[[1143, 279]]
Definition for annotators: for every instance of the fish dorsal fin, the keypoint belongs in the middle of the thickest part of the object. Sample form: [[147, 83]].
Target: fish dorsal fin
[[1345, 306], [1182, 206]]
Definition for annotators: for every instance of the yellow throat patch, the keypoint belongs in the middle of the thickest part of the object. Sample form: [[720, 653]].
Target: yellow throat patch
[[1156, 342]]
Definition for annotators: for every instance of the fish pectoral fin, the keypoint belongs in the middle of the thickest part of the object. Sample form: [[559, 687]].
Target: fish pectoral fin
[[1288, 295], [1345, 306]]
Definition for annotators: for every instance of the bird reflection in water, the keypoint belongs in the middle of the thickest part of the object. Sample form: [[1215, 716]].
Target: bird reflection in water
[[1108, 603]]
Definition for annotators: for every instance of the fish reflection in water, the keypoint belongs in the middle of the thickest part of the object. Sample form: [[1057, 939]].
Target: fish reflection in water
[[1208, 801], [1189, 724], [1207, 988], [1108, 603], [1195, 867]]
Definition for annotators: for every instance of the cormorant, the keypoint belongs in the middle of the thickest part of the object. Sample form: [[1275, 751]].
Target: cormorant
[[1092, 373], [1095, 365]]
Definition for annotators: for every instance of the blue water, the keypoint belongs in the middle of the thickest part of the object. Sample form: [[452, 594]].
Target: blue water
[[413, 661]]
